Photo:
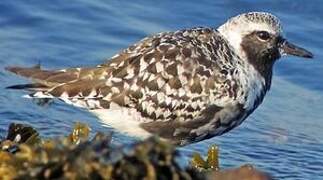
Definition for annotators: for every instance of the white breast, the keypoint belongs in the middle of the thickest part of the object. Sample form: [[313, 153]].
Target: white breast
[[253, 85], [124, 120]]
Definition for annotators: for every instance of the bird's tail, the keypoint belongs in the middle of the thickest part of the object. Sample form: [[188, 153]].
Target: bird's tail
[[35, 73], [54, 83], [31, 87]]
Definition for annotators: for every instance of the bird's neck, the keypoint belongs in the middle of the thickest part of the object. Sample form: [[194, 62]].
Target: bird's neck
[[248, 52], [263, 65], [264, 69], [254, 85]]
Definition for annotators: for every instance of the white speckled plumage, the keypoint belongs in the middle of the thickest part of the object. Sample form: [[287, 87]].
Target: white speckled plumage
[[184, 86]]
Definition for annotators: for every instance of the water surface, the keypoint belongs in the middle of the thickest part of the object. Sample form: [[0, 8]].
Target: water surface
[[283, 136]]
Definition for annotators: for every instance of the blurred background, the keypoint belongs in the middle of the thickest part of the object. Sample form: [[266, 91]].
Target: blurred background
[[283, 136]]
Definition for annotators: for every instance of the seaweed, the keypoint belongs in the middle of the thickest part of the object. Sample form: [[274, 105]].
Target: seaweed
[[24, 155], [211, 163]]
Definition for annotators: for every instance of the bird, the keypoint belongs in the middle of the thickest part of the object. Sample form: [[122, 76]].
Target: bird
[[184, 86]]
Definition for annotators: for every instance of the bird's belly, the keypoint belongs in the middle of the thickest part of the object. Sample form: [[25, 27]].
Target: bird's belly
[[217, 120], [221, 121], [214, 121], [124, 120]]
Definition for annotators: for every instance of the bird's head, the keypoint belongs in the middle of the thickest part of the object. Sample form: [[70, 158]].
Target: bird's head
[[257, 37]]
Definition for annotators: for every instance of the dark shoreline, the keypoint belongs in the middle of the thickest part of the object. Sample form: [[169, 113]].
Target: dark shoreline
[[24, 155]]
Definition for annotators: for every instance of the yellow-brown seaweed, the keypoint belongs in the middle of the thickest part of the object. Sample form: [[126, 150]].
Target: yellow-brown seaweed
[[211, 163], [24, 155]]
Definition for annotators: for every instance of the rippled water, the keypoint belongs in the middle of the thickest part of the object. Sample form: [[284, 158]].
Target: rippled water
[[283, 137]]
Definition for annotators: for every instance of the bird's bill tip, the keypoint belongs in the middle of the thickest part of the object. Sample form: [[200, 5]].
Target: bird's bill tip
[[288, 48]]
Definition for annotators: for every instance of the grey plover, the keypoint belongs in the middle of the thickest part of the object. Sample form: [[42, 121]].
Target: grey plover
[[184, 86]]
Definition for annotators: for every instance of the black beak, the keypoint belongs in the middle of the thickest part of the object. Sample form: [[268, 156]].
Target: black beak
[[287, 48]]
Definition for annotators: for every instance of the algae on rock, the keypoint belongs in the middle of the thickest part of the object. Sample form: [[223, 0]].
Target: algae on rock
[[24, 155]]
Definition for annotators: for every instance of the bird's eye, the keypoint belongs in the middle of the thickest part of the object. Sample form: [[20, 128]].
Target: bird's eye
[[263, 35]]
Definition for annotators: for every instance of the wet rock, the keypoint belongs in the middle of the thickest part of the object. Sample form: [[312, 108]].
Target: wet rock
[[25, 156], [245, 172], [17, 134]]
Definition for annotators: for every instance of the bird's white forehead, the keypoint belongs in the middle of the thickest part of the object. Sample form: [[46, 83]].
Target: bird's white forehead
[[253, 21]]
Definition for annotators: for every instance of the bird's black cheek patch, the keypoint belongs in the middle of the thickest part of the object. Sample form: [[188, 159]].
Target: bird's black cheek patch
[[252, 47], [271, 54], [259, 55]]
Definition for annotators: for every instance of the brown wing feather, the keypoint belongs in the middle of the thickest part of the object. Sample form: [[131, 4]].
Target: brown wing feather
[[167, 63], [35, 73]]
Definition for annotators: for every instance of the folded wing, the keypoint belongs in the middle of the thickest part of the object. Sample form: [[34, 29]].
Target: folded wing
[[166, 76]]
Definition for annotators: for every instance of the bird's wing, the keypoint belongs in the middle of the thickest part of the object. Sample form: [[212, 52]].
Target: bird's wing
[[167, 76]]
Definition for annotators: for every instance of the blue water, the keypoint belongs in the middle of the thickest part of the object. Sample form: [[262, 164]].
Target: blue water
[[283, 137]]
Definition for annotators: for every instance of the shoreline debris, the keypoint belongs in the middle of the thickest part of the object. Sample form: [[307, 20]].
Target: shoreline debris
[[24, 155]]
